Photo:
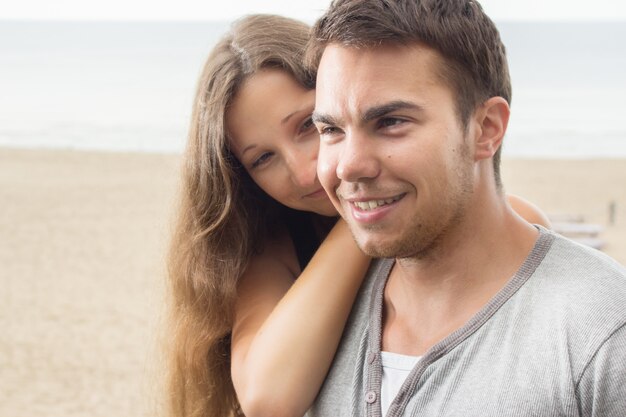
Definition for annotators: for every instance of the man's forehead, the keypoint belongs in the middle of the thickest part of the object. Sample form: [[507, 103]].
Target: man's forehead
[[359, 78], [342, 65]]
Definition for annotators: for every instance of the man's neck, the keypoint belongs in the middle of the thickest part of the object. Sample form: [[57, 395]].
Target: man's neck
[[429, 297]]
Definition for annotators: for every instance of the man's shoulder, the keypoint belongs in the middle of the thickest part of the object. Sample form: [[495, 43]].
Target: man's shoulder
[[579, 290], [576, 273], [579, 267]]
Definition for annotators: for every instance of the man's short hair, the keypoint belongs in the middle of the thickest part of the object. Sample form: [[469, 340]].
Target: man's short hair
[[474, 61]]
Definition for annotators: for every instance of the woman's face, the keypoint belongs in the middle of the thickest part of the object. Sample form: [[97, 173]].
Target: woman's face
[[272, 135]]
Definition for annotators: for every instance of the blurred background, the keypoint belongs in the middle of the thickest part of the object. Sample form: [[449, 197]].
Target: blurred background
[[95, 102]]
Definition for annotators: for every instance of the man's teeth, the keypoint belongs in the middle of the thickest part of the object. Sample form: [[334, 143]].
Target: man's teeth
[[372, 204]]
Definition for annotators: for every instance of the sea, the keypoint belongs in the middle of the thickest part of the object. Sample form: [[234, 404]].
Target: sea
[[129, 86]]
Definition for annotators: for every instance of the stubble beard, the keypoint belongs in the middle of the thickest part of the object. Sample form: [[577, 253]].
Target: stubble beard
[[425, 236]]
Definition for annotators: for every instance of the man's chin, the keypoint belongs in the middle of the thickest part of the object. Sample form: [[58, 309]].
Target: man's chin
[[376, 248], [405, 247]]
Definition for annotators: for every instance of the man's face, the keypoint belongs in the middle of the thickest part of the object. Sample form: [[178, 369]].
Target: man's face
[[394, 157]]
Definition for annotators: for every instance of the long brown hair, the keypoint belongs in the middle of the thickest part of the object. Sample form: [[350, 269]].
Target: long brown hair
[[221, 217]]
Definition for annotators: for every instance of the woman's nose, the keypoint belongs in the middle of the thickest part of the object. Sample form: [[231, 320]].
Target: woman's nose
[[303, 169]]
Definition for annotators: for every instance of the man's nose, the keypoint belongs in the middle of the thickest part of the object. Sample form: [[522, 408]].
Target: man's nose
[[357, 160]]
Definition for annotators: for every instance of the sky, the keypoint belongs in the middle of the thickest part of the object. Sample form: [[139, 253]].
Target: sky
[[302, 9]]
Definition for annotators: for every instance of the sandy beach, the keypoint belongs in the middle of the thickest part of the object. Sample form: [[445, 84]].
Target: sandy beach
[[578, 188], [82, 249], [82, 255]]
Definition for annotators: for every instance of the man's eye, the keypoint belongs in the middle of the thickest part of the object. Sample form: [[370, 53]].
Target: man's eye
[[389, 122], [328, 130], [262, 159]]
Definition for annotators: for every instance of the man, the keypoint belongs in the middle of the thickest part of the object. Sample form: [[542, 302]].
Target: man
[[474, 312]]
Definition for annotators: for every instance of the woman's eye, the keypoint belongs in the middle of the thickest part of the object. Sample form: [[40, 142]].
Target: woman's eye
[[307, 125], [262, 159]]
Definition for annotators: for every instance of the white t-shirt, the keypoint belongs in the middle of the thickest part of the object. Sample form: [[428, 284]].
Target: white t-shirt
[[396, 368]]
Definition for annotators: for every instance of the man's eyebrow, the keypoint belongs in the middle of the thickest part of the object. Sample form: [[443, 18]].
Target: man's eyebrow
[[324, 118], [372, 113], [376, 112]]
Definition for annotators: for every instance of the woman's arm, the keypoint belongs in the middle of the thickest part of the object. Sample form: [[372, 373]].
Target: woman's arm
[[286, 333], [528, 211]]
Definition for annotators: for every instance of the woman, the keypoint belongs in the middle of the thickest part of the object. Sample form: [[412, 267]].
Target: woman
[[237, 251]]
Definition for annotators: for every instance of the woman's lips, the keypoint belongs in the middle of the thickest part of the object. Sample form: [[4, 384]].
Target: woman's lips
[[316, 194]]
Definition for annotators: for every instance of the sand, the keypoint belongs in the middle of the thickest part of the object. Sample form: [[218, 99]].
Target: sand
[[585, 188], [83, 237], [82, 255]]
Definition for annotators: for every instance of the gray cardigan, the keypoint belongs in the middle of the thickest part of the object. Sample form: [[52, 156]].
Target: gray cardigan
[[552, 342]]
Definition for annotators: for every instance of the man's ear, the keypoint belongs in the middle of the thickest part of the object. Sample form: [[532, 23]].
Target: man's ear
[[492, 118]]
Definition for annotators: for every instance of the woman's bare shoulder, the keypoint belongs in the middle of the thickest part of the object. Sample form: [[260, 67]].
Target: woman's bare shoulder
[[278, 251]]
